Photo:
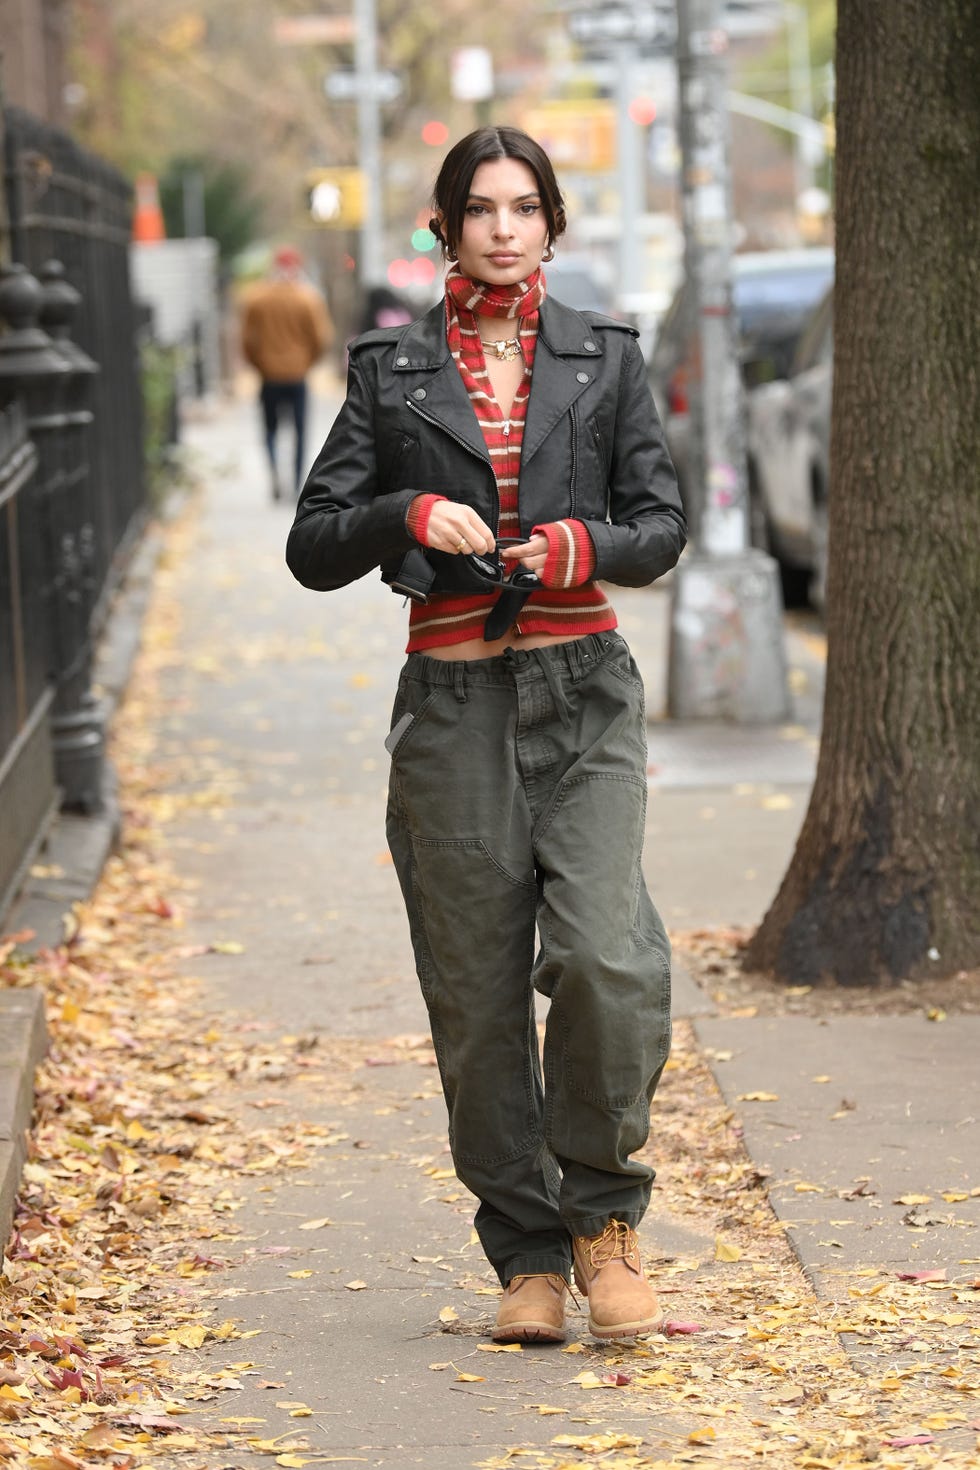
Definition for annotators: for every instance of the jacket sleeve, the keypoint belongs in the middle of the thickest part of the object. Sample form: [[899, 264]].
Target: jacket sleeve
[[646, 531], [344, 527]]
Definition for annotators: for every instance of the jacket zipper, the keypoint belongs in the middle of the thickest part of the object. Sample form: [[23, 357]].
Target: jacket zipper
[[437, 425]]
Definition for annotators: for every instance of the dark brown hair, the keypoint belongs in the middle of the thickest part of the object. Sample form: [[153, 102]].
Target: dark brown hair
[[452, 188]]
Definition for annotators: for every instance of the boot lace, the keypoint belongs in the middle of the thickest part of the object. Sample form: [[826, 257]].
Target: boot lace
[[616, 1242]]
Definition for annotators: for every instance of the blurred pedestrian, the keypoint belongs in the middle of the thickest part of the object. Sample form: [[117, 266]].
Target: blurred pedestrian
[[286, 328], [501, 459]]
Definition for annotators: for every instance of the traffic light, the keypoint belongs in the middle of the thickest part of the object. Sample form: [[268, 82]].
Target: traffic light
[[335, 197]]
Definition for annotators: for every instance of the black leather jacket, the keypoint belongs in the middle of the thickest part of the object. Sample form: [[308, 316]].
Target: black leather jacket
[[593, 448]]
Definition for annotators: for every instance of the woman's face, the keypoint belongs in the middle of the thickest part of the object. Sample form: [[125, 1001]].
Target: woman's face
[[505, 229]]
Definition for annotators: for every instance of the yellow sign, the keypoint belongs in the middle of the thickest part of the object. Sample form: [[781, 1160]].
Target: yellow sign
[[335, 197], [577, 133], [313, 30]]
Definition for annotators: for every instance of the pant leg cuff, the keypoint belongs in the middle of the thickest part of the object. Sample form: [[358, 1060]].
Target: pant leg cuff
[[596, 1224], [553, 1265]]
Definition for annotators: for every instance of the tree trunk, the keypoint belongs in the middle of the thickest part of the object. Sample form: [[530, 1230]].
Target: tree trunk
[[885, 880]]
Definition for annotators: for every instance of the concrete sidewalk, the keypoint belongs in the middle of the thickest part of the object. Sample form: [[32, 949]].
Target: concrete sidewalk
[[276, 706]]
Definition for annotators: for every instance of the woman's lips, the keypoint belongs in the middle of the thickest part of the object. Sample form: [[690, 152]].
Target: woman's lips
[[504, 257]]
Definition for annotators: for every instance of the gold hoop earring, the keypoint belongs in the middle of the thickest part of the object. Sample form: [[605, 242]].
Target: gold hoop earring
[[549, 253]]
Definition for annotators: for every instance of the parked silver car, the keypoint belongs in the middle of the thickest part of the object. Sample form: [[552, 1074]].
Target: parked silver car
[[789, 460], [774, 293]]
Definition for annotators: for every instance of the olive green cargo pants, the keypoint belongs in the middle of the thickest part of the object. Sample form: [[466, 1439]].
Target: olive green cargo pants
[[516, 806]]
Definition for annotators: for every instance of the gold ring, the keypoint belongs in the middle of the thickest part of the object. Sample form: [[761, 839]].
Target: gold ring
[[461, 543]]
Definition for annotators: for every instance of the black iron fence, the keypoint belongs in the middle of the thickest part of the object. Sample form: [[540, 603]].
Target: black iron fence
[[27, 785], [65, 204], [72, 479]]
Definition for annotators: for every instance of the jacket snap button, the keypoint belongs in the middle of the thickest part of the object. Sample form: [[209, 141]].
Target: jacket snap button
[[582, 378], [419, 393], [589, 346], [401, 362]]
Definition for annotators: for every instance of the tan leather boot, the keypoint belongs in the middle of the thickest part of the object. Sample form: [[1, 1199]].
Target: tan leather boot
[[532, 1310], [609, 1273]]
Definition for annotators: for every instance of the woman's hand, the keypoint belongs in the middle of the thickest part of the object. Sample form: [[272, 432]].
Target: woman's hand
[[530, 554], [456, 528]]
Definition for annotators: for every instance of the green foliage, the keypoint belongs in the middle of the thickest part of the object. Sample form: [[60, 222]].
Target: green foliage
[[158, 369], [232, 214]]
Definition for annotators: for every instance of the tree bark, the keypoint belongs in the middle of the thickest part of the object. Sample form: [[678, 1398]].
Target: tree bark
[[885, 880]]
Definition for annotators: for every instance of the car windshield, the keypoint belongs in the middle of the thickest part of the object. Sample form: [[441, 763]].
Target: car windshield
[[759, 294]]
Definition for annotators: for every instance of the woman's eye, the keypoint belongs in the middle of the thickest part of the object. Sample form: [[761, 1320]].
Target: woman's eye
[[475, 209], [530, 208]]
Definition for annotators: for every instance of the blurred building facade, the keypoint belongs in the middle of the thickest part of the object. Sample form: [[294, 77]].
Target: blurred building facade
[[33, 47]]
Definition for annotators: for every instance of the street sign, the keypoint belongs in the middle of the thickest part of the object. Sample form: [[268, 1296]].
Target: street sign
[[471, 74], [348, 85], [626, 25], [313, 30]]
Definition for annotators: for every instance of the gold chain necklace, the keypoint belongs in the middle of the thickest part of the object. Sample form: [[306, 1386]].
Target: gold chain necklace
[[506, 348]]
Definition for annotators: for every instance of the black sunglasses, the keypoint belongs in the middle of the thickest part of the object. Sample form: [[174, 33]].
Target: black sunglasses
[[491, 566]]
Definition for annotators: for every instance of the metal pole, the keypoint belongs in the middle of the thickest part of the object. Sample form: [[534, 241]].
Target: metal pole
[[800, 89], [717, 410], [727, 658], [369, 141], [630, 176]]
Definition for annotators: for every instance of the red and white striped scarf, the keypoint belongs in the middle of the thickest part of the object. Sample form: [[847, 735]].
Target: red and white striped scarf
[[466, 302]]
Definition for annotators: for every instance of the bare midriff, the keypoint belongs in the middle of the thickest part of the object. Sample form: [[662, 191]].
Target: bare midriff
[[480, 648]]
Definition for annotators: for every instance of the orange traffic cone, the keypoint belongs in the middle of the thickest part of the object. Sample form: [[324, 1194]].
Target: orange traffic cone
[[148, 216]]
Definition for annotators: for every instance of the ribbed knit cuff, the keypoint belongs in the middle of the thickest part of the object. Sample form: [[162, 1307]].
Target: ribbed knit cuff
[[417, 518], [571, 556]]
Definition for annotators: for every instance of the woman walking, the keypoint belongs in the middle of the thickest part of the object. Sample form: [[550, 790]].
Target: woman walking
[[496, 459]]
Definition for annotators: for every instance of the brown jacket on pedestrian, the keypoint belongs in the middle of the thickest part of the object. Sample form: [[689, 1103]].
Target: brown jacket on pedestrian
[[285, 327]]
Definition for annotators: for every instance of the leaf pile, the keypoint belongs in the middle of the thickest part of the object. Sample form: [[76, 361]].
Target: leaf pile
[[132, 1182]]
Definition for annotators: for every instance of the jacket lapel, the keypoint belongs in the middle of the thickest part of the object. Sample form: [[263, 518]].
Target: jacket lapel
[[563, 369], [431, 383]]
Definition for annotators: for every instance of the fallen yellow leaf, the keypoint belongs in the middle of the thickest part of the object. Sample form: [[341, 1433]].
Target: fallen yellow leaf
[[726, 1251]]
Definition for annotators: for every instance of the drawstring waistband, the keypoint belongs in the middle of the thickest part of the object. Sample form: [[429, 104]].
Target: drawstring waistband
[[554, 684]]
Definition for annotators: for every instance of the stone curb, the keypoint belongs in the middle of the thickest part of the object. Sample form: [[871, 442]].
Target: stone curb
[[23, 1042]]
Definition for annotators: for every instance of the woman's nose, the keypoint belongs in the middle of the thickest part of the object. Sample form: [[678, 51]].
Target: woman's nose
[[503, 228]]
